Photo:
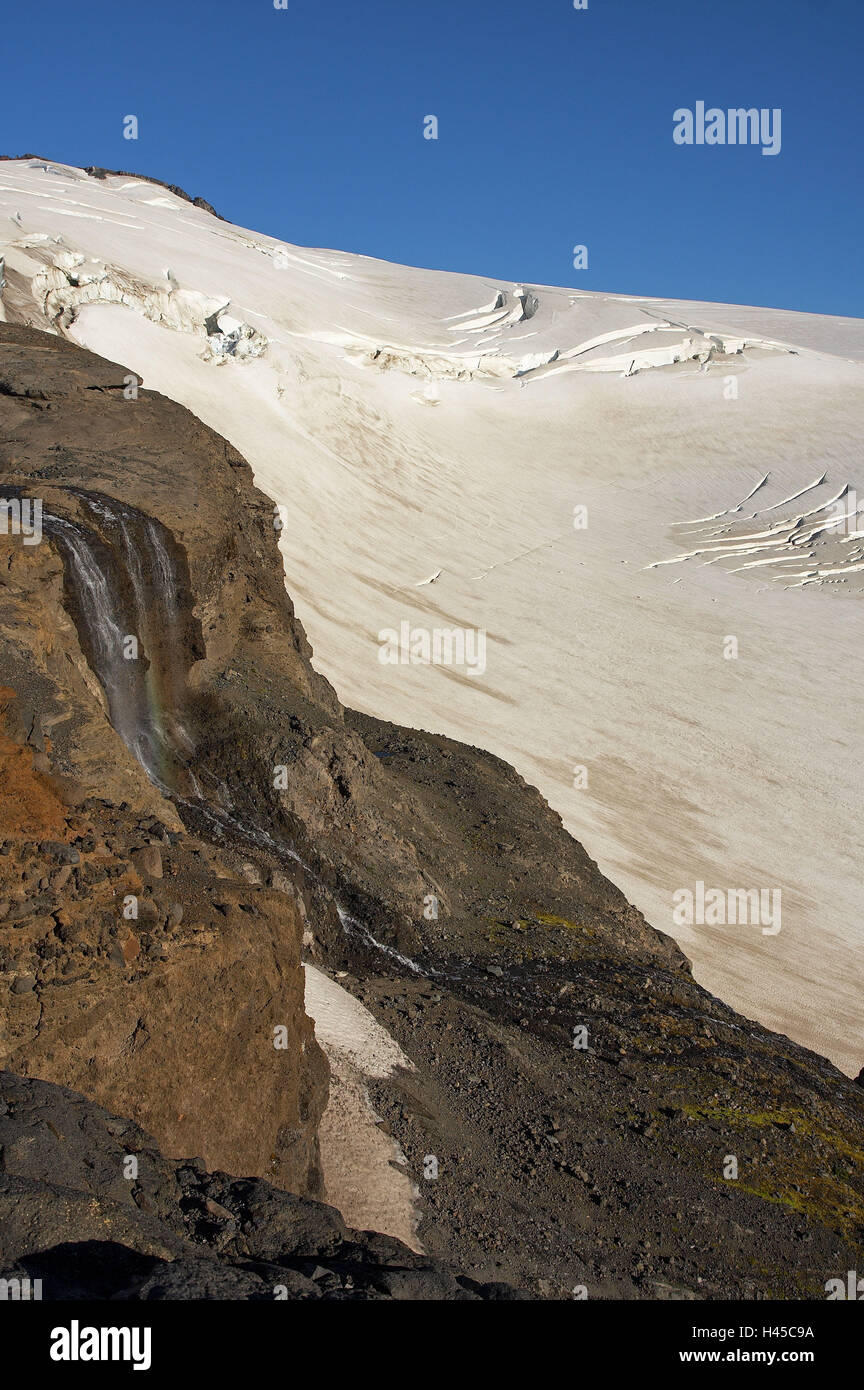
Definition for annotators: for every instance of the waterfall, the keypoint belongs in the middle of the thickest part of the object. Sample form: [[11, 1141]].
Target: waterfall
[[123, 583]]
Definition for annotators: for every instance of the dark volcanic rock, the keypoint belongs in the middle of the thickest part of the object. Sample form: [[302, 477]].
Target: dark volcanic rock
[[75, 1214]]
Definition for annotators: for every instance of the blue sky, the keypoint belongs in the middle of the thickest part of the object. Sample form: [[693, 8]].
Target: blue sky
[[555, 129]]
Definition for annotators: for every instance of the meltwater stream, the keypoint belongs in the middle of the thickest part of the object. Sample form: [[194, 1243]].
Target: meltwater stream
[[128, 592], [124, 589], [127, 595]]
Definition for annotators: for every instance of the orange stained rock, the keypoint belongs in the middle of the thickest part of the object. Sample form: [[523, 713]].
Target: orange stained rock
[[29, 806]]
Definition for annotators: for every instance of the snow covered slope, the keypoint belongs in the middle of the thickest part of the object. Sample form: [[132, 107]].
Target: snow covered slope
[[611, 488]]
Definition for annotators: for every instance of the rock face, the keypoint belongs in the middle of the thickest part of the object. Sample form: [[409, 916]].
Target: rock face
[[168, 750], [139, 967], [170, 1015], [161, 1012], [90, 1206]]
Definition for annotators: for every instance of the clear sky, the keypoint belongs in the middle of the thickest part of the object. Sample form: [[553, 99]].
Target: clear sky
[[554, 125]]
